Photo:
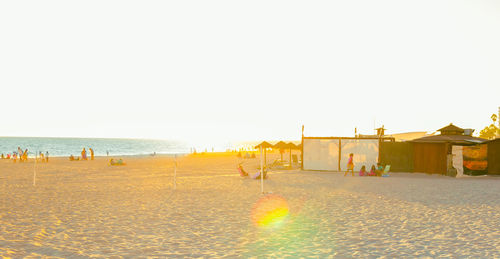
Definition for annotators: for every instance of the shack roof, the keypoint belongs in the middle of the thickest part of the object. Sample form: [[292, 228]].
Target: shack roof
[[454, 139], [451, 129]]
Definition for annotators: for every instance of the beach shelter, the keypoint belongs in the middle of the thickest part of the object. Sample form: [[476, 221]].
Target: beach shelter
[[264, 146], [282, 146], [292, 146], [430, 153]]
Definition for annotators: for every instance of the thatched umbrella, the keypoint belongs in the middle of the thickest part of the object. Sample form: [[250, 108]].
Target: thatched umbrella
[[282, 146], [291, 146], [264, 145]]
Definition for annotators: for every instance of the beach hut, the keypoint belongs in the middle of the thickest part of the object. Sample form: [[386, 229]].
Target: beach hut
[[433, 154]]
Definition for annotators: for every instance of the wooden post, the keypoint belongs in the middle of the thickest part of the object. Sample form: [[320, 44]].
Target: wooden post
[[302, 150], [265, 158], [34, 170], [340, 152], [261, 172], [175, 172]]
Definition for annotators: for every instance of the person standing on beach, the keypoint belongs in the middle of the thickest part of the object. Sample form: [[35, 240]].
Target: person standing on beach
[[47, 156], [20, 154], [350, 164], [84, 154], [25, 155], [91, 153]]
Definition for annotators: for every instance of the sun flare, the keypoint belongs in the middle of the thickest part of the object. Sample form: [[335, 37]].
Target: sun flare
[[270, 210]]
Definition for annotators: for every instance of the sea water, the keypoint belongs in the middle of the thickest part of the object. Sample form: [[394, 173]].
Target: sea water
[[101, 146]]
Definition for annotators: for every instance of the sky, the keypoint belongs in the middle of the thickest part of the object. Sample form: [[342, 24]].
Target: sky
[[212, 71]]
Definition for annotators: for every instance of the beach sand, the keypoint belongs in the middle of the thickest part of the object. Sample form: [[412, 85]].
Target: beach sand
[[90, 209]]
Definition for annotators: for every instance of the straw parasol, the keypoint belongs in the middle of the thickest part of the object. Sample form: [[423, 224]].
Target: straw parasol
[[292, 146], [281, 145], [264, 145]]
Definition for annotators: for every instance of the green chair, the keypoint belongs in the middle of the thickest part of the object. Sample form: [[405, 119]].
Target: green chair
[[385, 173]]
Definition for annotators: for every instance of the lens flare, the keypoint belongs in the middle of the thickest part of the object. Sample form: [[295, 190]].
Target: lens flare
[[270, 210]]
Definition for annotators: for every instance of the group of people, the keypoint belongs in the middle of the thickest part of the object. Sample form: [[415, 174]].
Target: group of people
[[44, 158], [374, 171], [23, 155], [84, 155], [116, 162]]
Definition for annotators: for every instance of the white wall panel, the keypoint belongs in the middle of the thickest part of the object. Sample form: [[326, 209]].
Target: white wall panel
[[321, 154], [365, 153]]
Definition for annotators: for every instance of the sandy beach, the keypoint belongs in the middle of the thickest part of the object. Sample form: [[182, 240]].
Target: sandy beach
[[81, 209]]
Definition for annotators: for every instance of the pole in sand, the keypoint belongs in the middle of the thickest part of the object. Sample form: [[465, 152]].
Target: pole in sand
[[34, 170], [175, 172], [261, 172]]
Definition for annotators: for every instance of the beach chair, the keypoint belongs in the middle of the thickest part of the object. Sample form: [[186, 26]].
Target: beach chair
[[295, 159], [385, 173], [256, 176], [275, 163], [280, 164]]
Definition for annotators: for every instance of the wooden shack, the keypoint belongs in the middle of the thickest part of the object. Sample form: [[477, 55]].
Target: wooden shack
[[432, 154]]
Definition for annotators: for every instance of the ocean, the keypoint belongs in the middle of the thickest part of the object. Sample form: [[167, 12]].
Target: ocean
[[73, 146]]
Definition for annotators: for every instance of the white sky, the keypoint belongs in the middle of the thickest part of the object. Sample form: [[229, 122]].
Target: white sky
[[246, 70]]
